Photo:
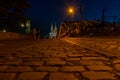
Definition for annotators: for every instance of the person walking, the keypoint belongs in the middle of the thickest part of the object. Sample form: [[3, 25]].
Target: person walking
[[38, 34], [34, 33]]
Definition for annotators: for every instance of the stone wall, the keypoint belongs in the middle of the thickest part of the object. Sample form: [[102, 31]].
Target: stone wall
[[12, 36]]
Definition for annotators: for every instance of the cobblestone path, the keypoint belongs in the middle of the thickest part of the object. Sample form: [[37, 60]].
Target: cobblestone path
[[56, 60]]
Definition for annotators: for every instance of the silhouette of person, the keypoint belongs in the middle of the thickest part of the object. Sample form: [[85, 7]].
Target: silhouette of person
[[38, 34], [34, 33]]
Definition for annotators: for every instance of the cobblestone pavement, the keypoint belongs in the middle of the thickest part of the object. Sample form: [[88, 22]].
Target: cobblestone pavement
[[105, 45], [54, 59]]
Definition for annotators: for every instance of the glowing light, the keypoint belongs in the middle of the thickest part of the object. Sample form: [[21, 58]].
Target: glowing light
[[71, 10], [22, 25], [4, 30]]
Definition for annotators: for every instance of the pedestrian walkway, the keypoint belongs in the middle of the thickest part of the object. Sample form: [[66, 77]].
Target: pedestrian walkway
[[54, 59]]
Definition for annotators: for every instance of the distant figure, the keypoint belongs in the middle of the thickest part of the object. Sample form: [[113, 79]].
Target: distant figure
[[38, 34], [34, 33]]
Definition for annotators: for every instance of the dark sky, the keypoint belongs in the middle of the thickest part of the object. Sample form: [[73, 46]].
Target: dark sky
[[45, 12]]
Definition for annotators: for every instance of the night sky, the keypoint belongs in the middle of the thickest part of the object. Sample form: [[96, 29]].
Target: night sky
[[45, 12]]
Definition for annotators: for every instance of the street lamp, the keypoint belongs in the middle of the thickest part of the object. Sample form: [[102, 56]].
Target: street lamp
[[71, 11], [22, 25], [4, 30]]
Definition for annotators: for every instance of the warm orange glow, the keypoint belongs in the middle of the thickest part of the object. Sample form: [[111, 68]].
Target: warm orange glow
[[71, 10]]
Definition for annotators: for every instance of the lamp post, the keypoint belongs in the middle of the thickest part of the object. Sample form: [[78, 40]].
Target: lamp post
[[80, 8], [73, 10]]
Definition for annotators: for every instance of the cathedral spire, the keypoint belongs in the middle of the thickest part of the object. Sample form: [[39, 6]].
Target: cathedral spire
[[53, 31], [51, 27], [55, 27]]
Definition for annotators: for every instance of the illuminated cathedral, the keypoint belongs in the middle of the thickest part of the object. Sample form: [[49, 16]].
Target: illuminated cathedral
[[53, 31]]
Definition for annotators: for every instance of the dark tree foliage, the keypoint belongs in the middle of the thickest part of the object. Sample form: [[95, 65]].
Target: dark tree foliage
[[12, 13]]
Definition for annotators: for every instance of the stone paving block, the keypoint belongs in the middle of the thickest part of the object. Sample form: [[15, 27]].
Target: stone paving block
[[55, 63], [47, 68], [73, 59], [36, 55], [7, 76], [45, 56], [116, 61], [59, 55], [87, 63], [74, 55], [11, 63], [22, 55], [91, 54], [6, 57], [32, 76], [33, 63], [98, 75], [98, 68], [118, 73], [72, 68], [2, 68], [60, 50], [69, 64], [18, 69], [84, 51], [69, 53], [117, 67], [62, 76], [50, 59], [31, 59], [94, 58], [74, 62], [49, 51]]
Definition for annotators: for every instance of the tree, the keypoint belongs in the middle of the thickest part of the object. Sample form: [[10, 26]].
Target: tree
[[13, 12]]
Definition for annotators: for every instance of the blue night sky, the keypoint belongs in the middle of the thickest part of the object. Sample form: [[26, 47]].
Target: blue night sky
[[45, 12]]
